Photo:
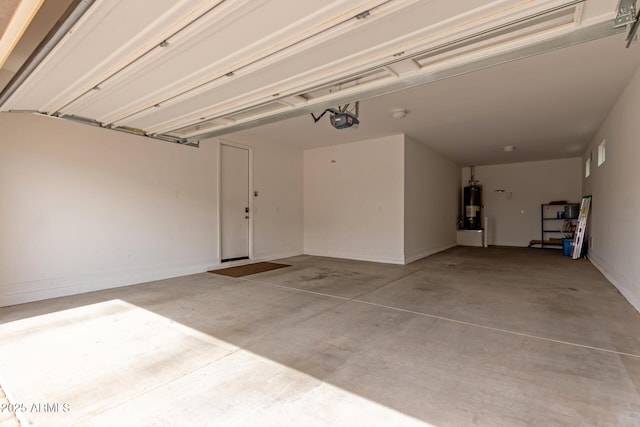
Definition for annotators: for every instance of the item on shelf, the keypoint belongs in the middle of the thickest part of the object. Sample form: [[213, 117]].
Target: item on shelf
[[552, 231], [571, 211]]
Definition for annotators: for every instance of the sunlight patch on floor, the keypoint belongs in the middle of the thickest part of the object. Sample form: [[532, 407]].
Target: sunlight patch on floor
[[103, 363]]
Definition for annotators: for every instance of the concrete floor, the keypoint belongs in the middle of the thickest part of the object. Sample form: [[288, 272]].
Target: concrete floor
[[470, 336]]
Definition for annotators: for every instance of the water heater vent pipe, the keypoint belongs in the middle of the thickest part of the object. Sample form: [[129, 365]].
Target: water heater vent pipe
[[472, 178]]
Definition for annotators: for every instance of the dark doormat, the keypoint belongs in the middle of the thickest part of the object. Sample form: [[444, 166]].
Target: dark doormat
[[245, 270]]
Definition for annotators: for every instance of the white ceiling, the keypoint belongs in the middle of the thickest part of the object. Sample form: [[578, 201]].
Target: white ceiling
[[549, 106], [190, 69]]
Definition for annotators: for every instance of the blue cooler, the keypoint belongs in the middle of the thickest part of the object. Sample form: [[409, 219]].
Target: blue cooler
[[567, 246]]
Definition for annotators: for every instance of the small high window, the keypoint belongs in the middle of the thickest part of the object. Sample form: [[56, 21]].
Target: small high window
[[587, 167], [602, 148]]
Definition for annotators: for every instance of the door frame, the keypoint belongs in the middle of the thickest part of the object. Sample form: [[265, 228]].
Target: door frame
[[222, 142]]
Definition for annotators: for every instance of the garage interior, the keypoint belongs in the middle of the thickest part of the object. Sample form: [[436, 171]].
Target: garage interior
[[148, 144]]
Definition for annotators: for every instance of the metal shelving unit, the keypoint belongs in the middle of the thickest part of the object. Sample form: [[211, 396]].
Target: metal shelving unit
[[555, 227]]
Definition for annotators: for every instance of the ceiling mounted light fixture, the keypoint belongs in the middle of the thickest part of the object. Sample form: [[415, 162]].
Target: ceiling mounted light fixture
[[398, 113], [508, 148]]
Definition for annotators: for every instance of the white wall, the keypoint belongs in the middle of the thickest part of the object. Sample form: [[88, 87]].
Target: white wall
[[353, 200], [516, 221], [615, 187], [277, 214], [432, 186], [85, 208]]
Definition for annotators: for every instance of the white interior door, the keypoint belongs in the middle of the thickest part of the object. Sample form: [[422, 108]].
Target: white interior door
[[234, 203]]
